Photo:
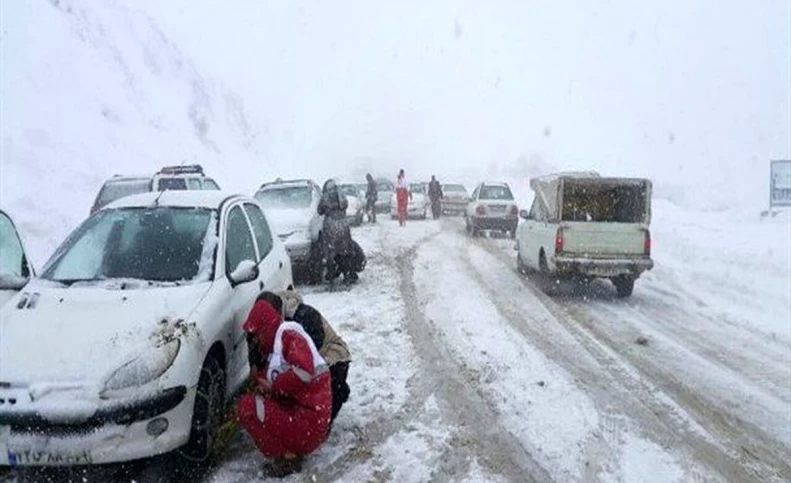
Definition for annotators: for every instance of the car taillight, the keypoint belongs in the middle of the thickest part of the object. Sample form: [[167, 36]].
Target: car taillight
[[480, 210], [514, 211], [647, 246], [559, 241]]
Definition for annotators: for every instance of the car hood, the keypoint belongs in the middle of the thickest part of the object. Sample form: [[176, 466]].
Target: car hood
[[287, 220], [80, 334], [5, 296]]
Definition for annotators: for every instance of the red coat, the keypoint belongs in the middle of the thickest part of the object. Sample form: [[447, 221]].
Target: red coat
[[293, 417]]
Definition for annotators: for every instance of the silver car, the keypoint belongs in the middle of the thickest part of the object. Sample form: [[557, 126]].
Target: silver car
[[291, 207]]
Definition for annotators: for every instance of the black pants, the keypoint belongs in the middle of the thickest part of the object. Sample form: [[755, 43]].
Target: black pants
[[340, 390], [436, 209]]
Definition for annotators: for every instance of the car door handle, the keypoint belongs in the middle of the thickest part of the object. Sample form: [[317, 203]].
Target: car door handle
[[261, 285], [281, 264]]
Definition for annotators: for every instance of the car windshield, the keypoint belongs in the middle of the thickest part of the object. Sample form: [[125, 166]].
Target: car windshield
[[496, 193], [114, 190], [295, 197], [418, 188], [454, 188], [349, 190], [163, 244], [12, 257], [165, 184]]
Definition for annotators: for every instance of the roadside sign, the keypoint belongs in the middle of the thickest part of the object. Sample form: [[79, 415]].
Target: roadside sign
[[780, 183]]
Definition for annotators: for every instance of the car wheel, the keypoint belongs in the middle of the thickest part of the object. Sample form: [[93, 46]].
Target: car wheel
[[624, 285], [208, 412], [543, 266], [520, 265]]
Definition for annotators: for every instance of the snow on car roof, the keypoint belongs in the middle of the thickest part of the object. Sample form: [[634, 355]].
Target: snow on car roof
[[180, 198], [495, 183]]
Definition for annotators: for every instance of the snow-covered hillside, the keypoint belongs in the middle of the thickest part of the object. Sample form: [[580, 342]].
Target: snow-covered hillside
[[91, 89]]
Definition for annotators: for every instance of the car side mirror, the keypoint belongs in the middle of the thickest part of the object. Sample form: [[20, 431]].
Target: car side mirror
[[524, 214], [245, 272]]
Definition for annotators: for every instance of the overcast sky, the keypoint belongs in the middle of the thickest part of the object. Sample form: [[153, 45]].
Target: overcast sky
[[694, 94]]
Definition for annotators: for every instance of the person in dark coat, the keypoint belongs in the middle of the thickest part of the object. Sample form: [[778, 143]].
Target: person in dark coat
[[435, 195], [336, 234], [371, 195]]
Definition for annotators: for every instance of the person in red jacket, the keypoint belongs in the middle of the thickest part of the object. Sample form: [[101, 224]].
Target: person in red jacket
[[403, 195], [288, 414]]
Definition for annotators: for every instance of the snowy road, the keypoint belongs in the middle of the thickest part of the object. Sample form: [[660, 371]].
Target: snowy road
[[465, 370]]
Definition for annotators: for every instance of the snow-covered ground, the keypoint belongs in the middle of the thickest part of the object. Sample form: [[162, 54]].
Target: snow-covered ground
[[463, 370], [466, 371]]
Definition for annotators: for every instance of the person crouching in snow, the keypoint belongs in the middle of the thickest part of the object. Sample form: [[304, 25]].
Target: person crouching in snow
[[331, 346], [288, 413]]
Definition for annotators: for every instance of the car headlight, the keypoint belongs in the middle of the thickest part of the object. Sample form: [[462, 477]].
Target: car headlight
[[144, 368]]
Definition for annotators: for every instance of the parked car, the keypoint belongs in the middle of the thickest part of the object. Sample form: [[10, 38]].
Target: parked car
[[292, 207], [119, 186], [168, 178], [418, 205], [130, 344], [189, 177], [454, 198], [384, 191], [15, 268], [491, 207], [356, 199], [581, 224]]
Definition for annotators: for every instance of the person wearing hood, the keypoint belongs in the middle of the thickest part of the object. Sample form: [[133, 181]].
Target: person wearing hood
[[435, 195], [336, 234], [371, 195], [403, 195], [287, 415], [331, 346]]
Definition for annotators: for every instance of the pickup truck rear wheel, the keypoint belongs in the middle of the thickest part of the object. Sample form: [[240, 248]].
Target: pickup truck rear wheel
[[624, 285]]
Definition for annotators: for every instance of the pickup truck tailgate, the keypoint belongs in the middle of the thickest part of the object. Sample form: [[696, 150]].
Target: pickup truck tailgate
[[604, 240]]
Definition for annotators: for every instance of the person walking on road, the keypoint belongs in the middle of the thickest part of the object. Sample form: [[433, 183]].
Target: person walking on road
[[403, 195], [435, 195], [371, 195], [288, 413]]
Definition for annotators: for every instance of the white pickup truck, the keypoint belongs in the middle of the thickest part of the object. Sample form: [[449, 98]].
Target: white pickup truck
[[581, 224]]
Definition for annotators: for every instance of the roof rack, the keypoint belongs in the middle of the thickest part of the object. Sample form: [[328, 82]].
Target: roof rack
[[287, 181], [185, 169]]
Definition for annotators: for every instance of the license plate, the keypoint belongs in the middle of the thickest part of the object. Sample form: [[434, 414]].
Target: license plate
[[497, 209], [40, 458]]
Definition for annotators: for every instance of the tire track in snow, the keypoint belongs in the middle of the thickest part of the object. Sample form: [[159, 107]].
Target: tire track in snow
[[735, 453], [482, 435]]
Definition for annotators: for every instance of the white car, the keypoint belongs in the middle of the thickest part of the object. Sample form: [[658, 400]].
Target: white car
[[491, 207], [583, 225], [15, 268], [189, 177], [418, 205], [356, 199], [292, 207], [130, 343]]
